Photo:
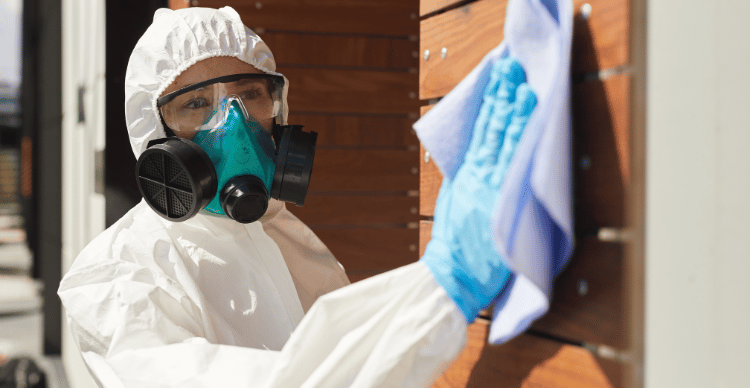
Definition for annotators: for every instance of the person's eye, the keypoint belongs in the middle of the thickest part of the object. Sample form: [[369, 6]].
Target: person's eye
[[250, 94], [196, 103]]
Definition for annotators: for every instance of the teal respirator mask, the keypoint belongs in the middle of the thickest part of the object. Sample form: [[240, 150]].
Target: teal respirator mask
[[225, 155]]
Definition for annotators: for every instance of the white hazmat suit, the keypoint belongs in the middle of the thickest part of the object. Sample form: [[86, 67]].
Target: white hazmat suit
[[212, 302]]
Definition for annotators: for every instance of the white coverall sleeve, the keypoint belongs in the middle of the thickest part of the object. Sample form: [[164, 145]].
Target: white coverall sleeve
[[398, 329]]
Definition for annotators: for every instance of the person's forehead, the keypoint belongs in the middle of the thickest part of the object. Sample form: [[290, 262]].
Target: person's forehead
[[210, 68]]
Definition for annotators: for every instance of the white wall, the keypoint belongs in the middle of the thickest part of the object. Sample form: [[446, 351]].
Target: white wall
[[698, 194], [83, 208]]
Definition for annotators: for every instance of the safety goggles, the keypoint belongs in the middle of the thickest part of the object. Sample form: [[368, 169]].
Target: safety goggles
[[203, 105]]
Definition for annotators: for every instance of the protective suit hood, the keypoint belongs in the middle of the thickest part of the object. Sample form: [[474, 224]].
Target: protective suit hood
[[167, 48]]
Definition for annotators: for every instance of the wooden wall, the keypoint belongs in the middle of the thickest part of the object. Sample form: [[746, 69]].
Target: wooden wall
[[584, 339], [353, 74]]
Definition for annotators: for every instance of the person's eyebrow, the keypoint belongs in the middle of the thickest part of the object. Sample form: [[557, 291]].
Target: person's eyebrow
[[246, 81]]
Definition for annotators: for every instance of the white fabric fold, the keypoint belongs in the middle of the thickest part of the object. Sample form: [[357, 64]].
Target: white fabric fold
[[532, 225]]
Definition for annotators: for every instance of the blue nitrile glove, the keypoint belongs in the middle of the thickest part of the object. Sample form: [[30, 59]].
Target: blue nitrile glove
[[461, 255]]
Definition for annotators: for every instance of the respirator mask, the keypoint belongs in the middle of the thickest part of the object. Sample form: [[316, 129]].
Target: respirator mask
[[228, 155]]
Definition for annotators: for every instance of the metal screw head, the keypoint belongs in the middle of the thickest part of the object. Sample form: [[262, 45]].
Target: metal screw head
[[412, 95], [583, 287], [415, 54], [426, 55], [258, 5], [585, 11], [426, 157], [415, 170], [413, 247], [444, 52], [413, 210], [413, 16], [585, 162]]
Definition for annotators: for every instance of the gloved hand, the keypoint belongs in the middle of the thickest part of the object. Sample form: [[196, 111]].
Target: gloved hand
[[461, 255]]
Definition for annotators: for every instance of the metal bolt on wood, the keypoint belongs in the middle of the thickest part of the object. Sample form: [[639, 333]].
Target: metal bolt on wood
[[583, 287], [585, 162], [444, 52], [586, 11], [427, 157], [426, 55]]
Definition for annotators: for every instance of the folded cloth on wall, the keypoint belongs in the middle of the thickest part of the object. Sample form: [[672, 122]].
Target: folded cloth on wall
[[532, 225]]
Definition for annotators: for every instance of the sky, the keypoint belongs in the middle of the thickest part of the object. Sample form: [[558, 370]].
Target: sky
[[10, 41]]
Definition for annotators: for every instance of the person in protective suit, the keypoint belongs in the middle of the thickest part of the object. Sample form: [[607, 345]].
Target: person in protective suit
[[199, 285]]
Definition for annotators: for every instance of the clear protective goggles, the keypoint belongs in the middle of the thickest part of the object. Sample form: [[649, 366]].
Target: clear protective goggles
[[202, 106]]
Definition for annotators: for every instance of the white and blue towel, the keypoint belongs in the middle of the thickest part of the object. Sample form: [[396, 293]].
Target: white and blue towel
[[532, 224]]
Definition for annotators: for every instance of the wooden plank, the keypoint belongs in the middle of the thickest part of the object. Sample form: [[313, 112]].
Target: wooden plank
[[588, 303], [527, 361], [371, 250], [377, 131], [364, 170], [425, 232], [601, 124], [386, 17], [601, 119], [351, 91], [350, 210], [602, 40], [177, 4], [430, 180], [296, 48], [470, 32], [430, 6]]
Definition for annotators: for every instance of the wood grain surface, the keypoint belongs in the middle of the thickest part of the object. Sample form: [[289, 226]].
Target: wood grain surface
[[351, 91], [430, 180], [359, 130], [469, 32], [527, 361], [371, 250], [383, 52], [588, 302], [430, 6], [354, 170], [425, 232], [602, 40], [177, 4], [601, 125], [380, 17], [357, 209]]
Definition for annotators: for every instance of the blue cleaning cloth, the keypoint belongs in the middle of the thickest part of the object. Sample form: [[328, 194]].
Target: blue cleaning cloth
[[460, 255], [531, 224]]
